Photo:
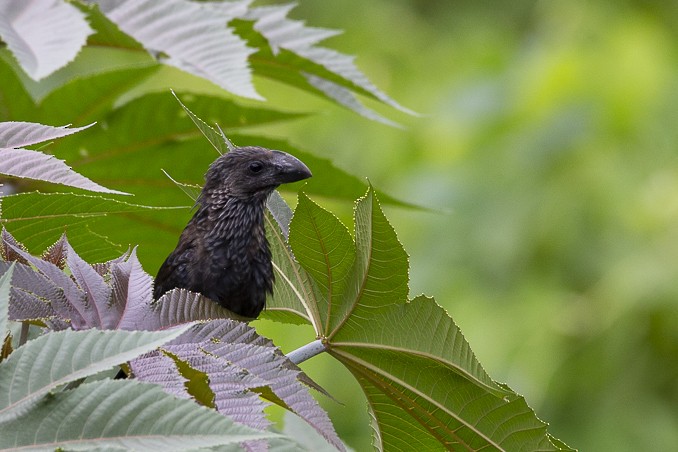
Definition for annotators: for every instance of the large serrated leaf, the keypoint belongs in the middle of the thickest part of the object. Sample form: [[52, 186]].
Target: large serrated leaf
[[43, 35], [299, 61], [458, 414], [125, 415], [425, 387], [234, 356], [25, 163], [32, 370], [194, 38], [37, 219], [16, 134], [418, 328], [379, 276], [325, 250]]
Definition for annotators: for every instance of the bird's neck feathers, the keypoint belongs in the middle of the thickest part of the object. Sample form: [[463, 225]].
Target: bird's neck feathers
[[228, 217]]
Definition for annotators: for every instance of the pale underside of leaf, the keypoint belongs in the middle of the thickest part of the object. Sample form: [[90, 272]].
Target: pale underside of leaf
[[43, 35], [285, 33], [5, 285], [122, 414], [194, 38], [36, 165], [32, 370], [345, 97], [16, 134]]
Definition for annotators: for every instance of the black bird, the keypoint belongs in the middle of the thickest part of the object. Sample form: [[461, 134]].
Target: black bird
[[223, 252]]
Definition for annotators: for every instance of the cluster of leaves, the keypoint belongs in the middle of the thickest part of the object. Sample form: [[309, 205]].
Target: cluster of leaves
[[42, 404], [424, 386], [190, 36], [353, 291], [239, 365], [121, 81]]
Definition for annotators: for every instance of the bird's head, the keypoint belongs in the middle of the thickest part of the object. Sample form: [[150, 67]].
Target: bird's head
[[252, 172]]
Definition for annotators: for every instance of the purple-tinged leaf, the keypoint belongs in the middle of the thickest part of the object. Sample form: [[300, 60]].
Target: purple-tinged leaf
[[32, 295], [56, 254], [135, 295], [17, 134], [103, 268], [119, 280], [230, 384], [97, 292], [176, 307], [43, 35], [27, 306], [75, 309], [7, 245], [155, 367], [244, 348]]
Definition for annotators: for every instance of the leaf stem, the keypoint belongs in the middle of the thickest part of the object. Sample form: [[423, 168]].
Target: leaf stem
[[307, 351], [23, 337]]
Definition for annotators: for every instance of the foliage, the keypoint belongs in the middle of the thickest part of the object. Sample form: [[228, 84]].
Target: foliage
[[549, 143], [39, 409], [423, 383], [116, 295]]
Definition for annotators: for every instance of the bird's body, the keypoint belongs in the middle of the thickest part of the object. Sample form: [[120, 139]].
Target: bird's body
[[223, 252]]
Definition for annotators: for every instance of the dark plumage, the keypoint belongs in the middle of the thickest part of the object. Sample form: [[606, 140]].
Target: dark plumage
[[223, 252]]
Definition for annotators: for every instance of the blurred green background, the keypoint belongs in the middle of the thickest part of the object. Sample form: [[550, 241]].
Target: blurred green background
[[547, 153]]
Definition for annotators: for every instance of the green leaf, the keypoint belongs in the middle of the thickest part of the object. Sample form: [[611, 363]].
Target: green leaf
[[419, 328], [379, 276], [426, 389], [5, 285], [426, 405], [325, 250], [54, 359], [294, 297], [121, 414], [89, 99], [215, 138], [37, 219]]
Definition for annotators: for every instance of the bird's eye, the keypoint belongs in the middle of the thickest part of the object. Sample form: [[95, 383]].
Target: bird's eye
[[257, 166]]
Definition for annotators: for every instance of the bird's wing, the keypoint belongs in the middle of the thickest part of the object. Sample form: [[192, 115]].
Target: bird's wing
[[176, 271]]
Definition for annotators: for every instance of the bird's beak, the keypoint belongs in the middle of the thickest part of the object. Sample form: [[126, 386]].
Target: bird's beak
[[290, 169]]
